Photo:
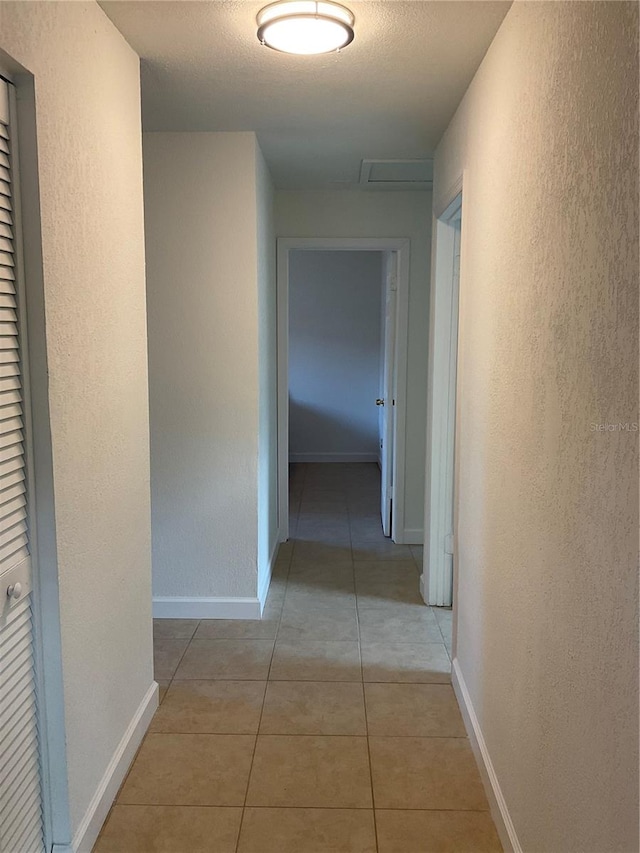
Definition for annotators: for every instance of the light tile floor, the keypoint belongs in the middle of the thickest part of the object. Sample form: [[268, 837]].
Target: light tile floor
[[329, 726]]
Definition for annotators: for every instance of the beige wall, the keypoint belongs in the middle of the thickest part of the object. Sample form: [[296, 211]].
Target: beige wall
[[89, 177], [267, 375], [355, 213], [547, 519], [202, 292]]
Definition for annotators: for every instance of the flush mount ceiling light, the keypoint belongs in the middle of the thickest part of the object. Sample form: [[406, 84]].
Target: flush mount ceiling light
[[305, 26]]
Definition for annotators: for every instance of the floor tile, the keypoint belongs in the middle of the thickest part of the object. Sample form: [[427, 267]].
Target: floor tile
[[436, 832], [415, 710], [307, 831], [238, 629], [406, 662], [387, 550], [285, 550], [313, 708], [313, 575], [444, 618], [312, 552], [381, 626], [210, 707], [324, 625], [163, 686], [316, 660], [195, 770], [418, 554], [425, 773], [226, 659], [174, 629], [167, 654], [389, 571], [305, 594], [169, 829], [373, 593], [316, 772]]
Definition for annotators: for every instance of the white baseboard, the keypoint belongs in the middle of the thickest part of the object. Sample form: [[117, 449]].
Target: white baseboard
[[196, 607], [263, 589], [499, 810], [412, 536], [333, 457], [91, 824]]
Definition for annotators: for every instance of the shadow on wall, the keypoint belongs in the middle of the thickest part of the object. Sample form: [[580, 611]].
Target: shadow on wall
[[313, 426]]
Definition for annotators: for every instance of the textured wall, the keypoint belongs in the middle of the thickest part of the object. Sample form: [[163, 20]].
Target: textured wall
[[90, 183], [547, 505], [202, 296], [344, 213], [334, 353], [267, 372]]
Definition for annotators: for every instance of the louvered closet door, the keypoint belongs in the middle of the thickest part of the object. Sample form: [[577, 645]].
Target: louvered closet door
[[20, 775]]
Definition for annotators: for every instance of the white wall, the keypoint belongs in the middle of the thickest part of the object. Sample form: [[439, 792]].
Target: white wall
[[334, 355], [89, 178], [547, 522], [355, 213], [267, 376], [207, 200]]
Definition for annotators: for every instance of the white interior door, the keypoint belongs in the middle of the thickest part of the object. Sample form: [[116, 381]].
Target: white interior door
[[21, 825], [386, 401]]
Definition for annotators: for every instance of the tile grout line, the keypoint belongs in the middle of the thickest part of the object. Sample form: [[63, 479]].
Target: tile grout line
[[364, 694], [364, 700], [264, 698]]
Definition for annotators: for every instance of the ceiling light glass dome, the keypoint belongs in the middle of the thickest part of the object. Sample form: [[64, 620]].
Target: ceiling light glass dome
[[305, 26]]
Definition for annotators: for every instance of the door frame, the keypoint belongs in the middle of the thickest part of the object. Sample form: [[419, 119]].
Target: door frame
[[436, 581], [39, 460], [401, 246], [386, 416]]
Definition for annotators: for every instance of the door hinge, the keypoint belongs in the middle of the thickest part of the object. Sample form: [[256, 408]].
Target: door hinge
[[449, 544], [393, 283]]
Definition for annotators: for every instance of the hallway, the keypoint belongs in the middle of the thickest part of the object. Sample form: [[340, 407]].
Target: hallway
[[329, 726]]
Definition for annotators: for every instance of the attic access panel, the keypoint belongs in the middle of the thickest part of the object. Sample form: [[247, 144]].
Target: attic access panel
[[397, 174]]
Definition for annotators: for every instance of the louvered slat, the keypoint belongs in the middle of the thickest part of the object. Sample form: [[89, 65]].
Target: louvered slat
[[7, 300], [14, 553], [12, 492], [13, 451], [20, 693]]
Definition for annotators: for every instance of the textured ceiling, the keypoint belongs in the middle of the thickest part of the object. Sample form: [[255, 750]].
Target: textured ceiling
[[390, 94]]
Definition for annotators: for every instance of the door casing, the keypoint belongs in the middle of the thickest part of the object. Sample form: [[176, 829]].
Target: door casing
[[437, 580], [401, 246]]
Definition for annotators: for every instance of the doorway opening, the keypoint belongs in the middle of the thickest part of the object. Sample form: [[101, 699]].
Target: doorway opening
[[437, 581], [342, 363]]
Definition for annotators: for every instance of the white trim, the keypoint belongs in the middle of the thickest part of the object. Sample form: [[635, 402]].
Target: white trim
[[402, 246], [454, 190], [497, 802], [333, 457], [263, 589], [411, 536], [101, 802], [441, 407], [38, 452], [201, 607]]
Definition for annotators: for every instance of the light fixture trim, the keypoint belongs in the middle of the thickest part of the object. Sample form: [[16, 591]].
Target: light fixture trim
[[332, 16]]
